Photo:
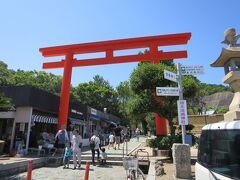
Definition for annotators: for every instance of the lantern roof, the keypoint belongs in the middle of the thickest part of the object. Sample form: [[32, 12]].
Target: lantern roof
[[226, 55]]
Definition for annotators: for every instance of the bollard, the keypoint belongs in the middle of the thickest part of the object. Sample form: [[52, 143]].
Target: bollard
[[86, 171], [29, 171]]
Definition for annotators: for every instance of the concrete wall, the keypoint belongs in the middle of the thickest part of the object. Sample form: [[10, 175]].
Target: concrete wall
[[23, 114], [201, 120], [205, 119], [7, 115]]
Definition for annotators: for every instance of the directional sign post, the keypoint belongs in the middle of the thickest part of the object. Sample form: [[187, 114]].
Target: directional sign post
[[170, 76], [181, 98], [167, 91], [192, 70], [171, 91]]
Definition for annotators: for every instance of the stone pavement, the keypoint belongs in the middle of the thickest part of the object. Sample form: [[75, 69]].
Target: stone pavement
[[96, 172]]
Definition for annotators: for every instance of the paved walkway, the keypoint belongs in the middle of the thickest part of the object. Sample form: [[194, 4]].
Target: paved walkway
[[96, 172], [131, 145]]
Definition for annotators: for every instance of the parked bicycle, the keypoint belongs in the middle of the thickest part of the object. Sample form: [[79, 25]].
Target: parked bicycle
[[130, 164]]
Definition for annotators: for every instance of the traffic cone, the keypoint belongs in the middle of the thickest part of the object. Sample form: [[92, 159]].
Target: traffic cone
[[29, 171], [86, 171]]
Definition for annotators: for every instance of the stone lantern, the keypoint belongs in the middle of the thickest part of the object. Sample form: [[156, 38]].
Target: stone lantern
[[230, 60]]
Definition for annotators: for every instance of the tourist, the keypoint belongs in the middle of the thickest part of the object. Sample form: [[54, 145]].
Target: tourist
[[76, 148], [117, 132], [61, 138], [111, 140], [137, 132], [67, 155], [94, 145], [103, 157]]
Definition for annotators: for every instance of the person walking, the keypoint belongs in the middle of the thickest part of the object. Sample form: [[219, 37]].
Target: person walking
[[61, 138], [117, 132], [111, 140], [67, 156], [76, 148], [94, 145], [137, 132]]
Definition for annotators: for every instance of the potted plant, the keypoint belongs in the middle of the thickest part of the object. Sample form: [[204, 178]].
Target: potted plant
[[40, 144], [162, 145]]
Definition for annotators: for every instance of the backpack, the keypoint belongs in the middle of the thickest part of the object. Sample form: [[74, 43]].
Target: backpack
[[61, 137], [92, 143]]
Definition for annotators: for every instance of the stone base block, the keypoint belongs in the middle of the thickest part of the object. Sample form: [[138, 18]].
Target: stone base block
[[232, 116], [182, 161]]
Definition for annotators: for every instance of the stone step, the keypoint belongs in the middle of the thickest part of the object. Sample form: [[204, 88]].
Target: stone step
[[112, 163], [110, 157]]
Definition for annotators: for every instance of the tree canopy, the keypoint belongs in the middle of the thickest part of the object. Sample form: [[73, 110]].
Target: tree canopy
[[98, 94]]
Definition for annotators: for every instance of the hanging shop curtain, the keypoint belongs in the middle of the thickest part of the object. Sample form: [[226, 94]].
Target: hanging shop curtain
[[44, 119]]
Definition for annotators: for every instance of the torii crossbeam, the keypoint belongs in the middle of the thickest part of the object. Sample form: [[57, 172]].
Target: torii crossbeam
[[108, 47]]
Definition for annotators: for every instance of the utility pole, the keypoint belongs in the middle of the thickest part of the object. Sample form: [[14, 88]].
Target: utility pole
[[179, 73]]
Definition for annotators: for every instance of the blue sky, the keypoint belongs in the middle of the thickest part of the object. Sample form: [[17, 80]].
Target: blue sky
[[29, 25]]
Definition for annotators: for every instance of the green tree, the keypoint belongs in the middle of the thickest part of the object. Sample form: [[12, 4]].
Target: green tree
[[5, 74], [144, 80], [125, 95], [5, 103], [42, 80], [98, 94]]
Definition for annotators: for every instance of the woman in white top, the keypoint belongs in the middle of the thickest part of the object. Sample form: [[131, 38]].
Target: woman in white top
[[95, 139], [111, 140], [76, 148]]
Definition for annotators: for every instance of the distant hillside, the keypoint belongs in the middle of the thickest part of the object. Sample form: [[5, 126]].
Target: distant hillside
[[209, 89], [220, 99]]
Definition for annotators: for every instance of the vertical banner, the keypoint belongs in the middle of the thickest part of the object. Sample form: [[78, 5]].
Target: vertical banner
[[161, 125], [182, 112]]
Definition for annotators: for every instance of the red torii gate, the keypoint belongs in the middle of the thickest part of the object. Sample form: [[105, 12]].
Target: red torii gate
[[153, 55]]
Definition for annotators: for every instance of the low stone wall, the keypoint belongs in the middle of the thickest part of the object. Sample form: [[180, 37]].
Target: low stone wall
[[152, 171], [19, 167], [201, 120]]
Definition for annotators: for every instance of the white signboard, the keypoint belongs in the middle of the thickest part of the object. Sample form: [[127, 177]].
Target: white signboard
[[192, 70], [182, 112], [170, 76], [167, 91], [93, 111]]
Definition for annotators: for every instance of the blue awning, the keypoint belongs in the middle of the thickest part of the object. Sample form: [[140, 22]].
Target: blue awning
[[94, 117], [76, 121], [109, 121]]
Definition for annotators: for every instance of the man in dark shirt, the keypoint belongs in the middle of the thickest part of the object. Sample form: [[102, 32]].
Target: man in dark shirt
[[117, 131]]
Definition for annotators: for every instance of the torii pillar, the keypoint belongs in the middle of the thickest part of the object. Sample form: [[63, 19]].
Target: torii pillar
[[154, 56]]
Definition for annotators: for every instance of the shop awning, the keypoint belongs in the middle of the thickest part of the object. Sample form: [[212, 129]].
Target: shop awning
[[44, 119], [110, 122], [94, 117], [76, 121]]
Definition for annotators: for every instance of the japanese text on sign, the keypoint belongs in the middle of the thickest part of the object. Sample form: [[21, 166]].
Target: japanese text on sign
[[192, 70], [167, 91], [170, 76], [182, 112]]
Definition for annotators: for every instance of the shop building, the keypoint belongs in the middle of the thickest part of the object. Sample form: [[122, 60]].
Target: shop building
[[36, 111]]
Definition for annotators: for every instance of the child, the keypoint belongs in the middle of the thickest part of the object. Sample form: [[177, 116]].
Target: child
[[103, 157], [67, 155]]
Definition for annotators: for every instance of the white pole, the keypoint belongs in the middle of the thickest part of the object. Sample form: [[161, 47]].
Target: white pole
[[179, 73]]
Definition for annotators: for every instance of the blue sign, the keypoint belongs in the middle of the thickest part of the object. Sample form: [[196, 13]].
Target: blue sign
[[188, 139]]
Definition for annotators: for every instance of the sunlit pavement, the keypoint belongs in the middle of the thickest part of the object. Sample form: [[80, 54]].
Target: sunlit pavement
[[96, 172]]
